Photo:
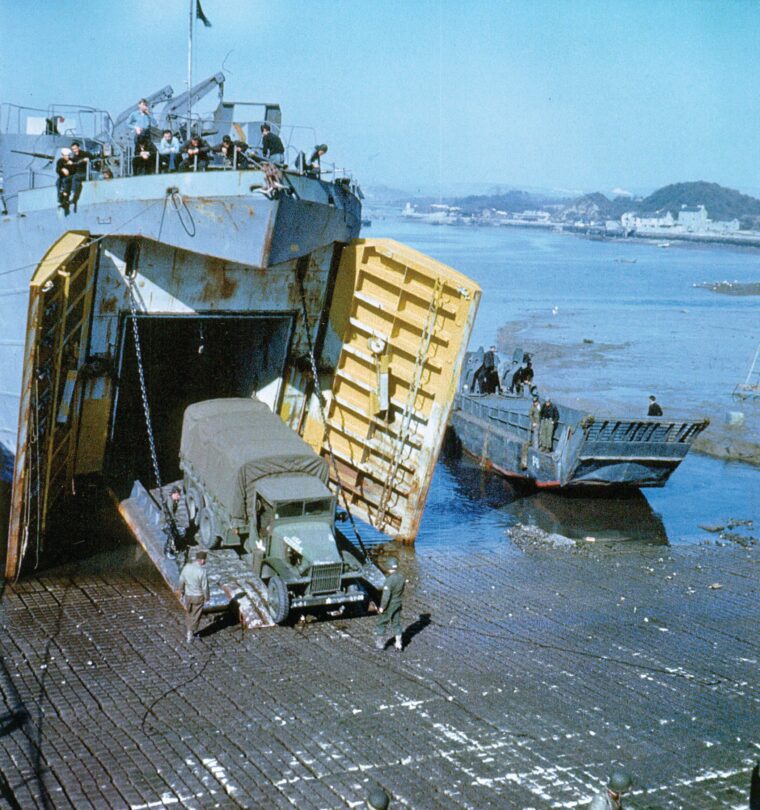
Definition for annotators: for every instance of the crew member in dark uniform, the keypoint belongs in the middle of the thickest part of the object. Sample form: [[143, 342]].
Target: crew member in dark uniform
[[654, 407], [195, 153], [64, 168], [548, 424], [233, 152], [389, 612], [313, 166], [271, 146], [81, 159], [489, 376], [144, 161]]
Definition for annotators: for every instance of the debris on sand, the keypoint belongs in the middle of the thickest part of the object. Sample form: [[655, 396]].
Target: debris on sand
[[531, 537]]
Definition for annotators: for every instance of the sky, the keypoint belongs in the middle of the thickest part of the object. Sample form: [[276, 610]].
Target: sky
[[621, 95]]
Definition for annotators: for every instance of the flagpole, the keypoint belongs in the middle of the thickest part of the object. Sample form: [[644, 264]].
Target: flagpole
[[190, 67]]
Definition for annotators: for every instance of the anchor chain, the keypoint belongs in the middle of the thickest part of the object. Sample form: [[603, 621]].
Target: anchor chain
[[172, 535], [320, 401]]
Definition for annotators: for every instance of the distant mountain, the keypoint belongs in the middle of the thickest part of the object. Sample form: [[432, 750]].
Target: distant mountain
[[509, 201], [721, 203]]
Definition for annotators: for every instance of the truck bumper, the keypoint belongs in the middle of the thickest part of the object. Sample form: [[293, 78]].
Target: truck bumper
[[328, 599]]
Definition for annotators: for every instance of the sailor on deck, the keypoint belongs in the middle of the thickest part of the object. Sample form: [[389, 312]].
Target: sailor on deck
[[271, 145], [141, 120]]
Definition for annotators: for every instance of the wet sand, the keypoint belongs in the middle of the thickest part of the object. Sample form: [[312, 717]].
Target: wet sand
[[526, 673]]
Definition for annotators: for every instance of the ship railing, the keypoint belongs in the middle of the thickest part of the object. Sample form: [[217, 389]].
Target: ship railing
[[68, 120], [641, 431]]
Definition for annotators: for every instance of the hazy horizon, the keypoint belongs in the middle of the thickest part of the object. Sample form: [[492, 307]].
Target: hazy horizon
[[583, 96]]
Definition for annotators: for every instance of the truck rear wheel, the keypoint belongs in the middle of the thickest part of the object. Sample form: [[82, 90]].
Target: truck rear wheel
[[194, 504], [207, 535], [278, 599]]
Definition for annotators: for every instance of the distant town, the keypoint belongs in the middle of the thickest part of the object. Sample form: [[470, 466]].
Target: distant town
[[685, 211]]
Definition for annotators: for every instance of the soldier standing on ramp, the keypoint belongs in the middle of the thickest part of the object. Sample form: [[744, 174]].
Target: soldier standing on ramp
[[193, 586], [389, 612]]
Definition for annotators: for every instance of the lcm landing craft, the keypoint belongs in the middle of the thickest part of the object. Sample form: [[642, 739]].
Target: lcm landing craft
[[236, 284]]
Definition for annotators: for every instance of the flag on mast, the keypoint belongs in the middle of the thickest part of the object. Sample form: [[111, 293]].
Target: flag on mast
[[199, 15]]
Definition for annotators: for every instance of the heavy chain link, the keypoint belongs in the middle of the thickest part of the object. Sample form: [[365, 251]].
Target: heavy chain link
[[173, 533]]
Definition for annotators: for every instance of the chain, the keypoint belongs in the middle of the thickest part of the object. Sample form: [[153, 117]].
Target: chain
[[318, 391], [172, 534], [406, 417]]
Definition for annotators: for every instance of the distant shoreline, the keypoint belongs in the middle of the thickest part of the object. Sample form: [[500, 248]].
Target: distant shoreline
[[590, 233]]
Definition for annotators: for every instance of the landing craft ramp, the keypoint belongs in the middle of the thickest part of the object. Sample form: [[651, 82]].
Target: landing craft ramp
[[384, 326]]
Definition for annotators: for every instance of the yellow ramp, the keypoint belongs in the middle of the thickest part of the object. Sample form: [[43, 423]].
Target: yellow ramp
[[402, 320], [60, 297]]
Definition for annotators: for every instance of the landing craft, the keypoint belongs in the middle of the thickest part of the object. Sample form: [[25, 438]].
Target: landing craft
[[491, 421], [164, 290]]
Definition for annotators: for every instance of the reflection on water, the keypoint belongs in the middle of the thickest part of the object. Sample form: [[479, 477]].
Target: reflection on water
[[468, 504]]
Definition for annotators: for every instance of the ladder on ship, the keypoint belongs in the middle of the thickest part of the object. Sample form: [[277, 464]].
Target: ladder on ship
[[750, 388]]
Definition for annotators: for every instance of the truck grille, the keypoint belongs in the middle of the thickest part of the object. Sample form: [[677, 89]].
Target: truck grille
[[325, 577]]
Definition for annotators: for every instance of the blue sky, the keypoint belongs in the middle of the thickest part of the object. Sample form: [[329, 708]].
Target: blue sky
[[436, 93]]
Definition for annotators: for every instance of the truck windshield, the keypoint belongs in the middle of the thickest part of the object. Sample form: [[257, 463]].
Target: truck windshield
[[320, 507], [290, 509]]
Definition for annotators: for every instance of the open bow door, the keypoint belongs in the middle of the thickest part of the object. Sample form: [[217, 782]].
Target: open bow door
[[398, 329], [60, 295]]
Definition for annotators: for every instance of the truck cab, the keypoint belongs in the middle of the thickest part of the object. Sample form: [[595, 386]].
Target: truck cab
[[296, 549]]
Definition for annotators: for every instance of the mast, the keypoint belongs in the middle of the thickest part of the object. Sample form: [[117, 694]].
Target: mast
[[190, 65]]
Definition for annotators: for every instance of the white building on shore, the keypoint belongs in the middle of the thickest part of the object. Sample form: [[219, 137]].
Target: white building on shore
[[691, 219]]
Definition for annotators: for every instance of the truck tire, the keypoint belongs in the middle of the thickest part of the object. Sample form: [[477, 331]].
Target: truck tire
[[194, 504], [278, 599], [207, 534]]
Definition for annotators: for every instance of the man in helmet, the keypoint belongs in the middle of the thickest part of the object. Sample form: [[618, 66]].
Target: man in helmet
[[389, 613], [378, 799], [193, 587], [612, 797]]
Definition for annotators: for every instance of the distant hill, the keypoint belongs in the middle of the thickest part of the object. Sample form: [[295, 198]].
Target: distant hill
[[596, 207], [509, 201], [720, 202]]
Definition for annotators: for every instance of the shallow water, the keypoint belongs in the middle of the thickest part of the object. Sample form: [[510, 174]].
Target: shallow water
[[652, 332]]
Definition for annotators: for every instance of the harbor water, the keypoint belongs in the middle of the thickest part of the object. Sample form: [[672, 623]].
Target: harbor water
[[610, 323]]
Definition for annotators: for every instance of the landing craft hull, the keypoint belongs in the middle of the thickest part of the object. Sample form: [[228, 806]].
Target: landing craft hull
[[588, 451]]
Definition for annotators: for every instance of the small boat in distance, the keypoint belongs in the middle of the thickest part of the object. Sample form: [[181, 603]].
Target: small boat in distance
[[663, 244], [491, 422]]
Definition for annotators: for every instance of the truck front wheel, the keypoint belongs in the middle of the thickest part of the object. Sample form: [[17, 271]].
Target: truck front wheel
[[278, 599], [207, 535]]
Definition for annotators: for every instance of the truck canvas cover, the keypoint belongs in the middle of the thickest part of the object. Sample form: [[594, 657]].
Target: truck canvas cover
[[232, 443]]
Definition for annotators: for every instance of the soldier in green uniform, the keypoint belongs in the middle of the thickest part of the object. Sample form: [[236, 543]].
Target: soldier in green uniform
[[389, 612], [193, 586]]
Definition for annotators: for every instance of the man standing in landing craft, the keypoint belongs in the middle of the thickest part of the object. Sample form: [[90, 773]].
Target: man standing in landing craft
[[389, 612]]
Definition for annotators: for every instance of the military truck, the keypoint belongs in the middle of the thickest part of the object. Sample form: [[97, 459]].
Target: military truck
[[253, 483]]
